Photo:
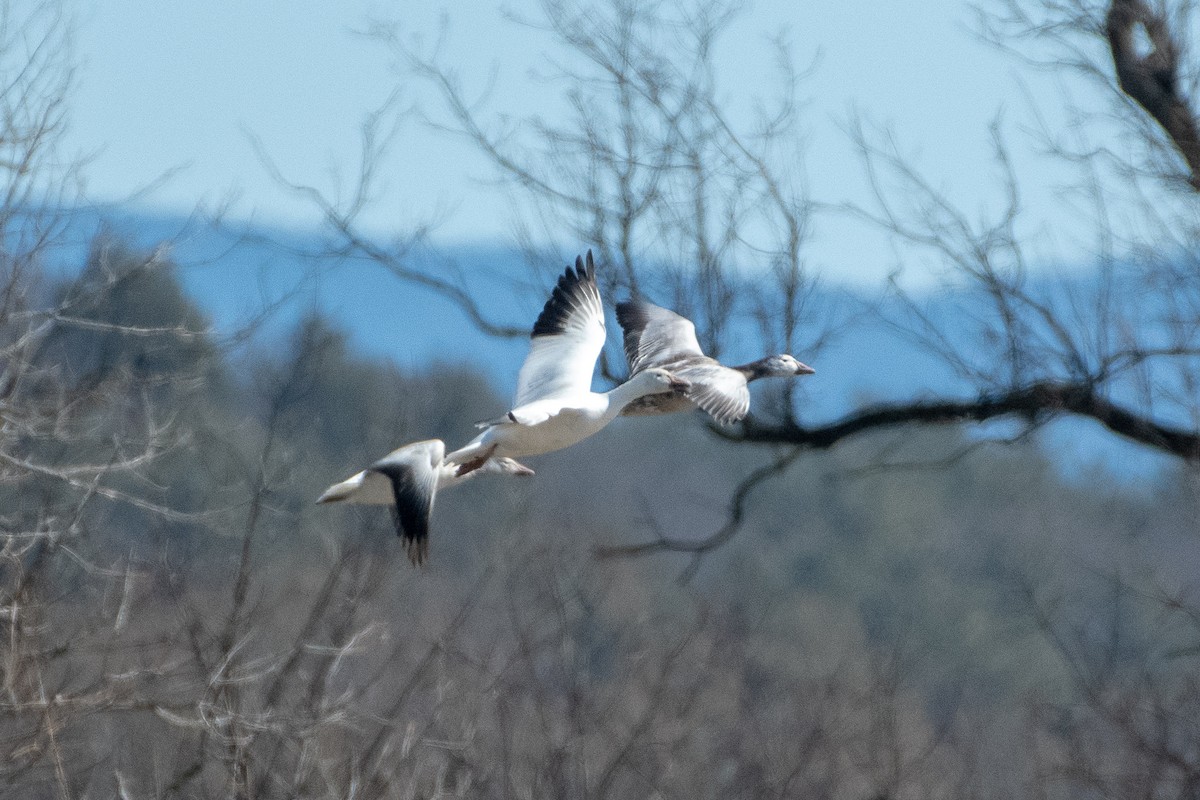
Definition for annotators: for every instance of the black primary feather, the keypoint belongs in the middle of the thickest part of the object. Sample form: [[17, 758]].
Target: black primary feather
[[576, 289], [633, 318], [658, 337], [413, 506]]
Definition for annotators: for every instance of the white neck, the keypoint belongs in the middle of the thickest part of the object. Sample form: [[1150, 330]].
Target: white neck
[[639, 385], [447, 476]]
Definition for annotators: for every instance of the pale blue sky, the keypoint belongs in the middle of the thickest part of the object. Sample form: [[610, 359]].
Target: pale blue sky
[[167, 85]]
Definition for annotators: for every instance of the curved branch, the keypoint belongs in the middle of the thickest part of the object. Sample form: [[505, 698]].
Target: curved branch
[[1033, 401], [467, 303], [353, 244], [699, 547]]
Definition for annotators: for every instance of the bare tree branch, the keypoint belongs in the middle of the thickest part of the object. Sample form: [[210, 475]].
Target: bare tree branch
[[1036, 403], [1152, 78]]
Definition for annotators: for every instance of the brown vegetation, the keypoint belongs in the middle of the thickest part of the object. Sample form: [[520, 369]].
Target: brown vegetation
[[177, 620]]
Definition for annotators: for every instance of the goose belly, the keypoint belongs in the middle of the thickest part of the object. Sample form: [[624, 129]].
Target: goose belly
[[563, 429], [666, 403]]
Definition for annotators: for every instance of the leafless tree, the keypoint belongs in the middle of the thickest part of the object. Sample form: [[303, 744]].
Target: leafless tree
[[694, 206], [55, 468], [166, 637], [1129, 724]]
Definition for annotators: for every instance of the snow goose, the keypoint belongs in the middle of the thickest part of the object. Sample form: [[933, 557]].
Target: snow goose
[[409, 479], [658, 338], [555, 406]]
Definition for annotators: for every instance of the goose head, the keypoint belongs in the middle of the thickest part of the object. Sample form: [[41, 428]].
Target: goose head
[[505, 466], [784, 366]]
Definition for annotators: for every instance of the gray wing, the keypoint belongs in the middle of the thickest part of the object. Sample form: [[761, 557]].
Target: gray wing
[[413, 471], [655, 337], [658, 337], [566, 340], [719, 390]]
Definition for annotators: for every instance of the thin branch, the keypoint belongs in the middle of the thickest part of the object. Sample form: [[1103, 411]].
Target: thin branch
[[699, 547]]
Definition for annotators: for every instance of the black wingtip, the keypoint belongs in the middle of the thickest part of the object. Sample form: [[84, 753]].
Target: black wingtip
[[632, 315], [410, 512], [418, 551], [415, 539], [574, 288]]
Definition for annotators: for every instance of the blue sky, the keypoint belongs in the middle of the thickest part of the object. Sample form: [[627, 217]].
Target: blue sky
[[184, 86]]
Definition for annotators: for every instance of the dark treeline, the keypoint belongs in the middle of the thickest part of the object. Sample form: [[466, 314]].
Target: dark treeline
[[181, 621]]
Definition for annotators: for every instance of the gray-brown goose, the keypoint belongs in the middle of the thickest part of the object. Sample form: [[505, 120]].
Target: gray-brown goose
[[656, 337]]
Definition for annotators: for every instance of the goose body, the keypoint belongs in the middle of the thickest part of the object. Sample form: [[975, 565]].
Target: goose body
[[409, 479], [656, 337], [555, 406]]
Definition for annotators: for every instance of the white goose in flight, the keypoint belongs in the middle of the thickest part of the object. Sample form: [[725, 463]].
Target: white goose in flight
[[555, 406], [409, 479], [658, 338]]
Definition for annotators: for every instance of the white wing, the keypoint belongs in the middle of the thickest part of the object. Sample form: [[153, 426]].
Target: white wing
[[567, 339], [719, 390], [366, 487], [655, 337]]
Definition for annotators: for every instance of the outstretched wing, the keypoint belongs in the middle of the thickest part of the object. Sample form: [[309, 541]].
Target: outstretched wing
[[566, 340], [366, 487], [413, 471], [720, 391], [658, 337], [655, 337]]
